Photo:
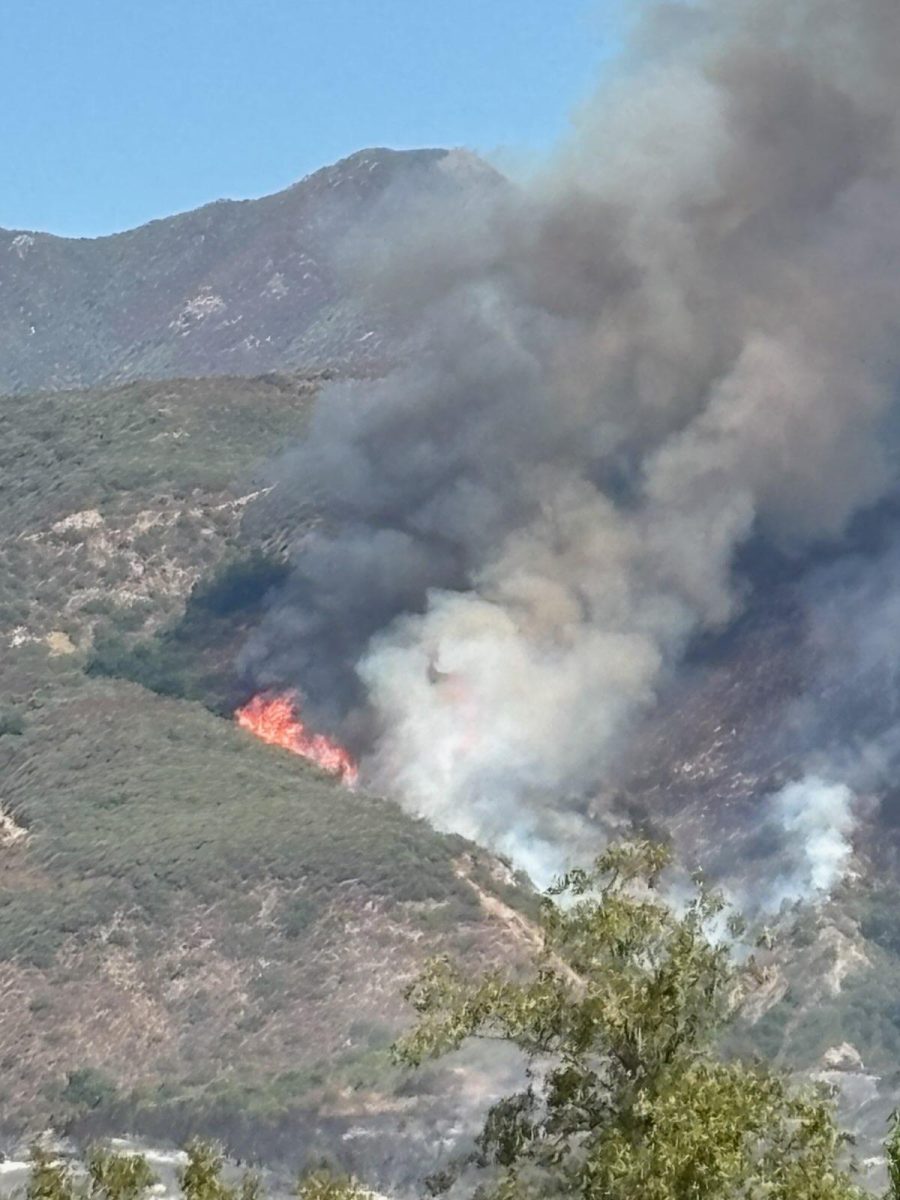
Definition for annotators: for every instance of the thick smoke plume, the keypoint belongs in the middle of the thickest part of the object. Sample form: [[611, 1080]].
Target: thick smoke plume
[[680, 336]]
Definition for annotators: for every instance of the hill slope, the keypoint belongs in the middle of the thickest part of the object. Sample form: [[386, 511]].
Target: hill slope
[[235, 287], [196, 930]]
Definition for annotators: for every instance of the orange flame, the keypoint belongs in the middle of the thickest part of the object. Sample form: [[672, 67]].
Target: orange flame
[[276, 719]]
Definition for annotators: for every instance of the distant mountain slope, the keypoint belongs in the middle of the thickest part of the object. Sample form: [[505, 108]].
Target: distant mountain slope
[[235, 287]]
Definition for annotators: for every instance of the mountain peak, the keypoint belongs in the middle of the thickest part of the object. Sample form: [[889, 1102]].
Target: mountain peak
[[233, 287]]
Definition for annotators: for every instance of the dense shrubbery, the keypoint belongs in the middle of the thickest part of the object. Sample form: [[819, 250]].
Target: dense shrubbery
[[139, 804], [62, 452]]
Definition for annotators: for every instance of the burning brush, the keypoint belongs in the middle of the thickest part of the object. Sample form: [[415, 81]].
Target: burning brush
[[276, 719]]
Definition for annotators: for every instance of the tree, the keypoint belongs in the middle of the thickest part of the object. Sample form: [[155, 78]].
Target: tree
[[118, 1176], [201, 1178], [624, 1097], [48, 1178]]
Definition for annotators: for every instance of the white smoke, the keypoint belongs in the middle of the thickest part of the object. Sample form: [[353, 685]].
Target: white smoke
[[816, 819]]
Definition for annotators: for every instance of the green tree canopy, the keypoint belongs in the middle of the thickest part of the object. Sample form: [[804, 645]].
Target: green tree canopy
[[624, 1097]]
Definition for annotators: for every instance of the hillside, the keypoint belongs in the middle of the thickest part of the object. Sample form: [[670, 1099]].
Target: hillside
[[196, 929], [201, 931], [235, 287]]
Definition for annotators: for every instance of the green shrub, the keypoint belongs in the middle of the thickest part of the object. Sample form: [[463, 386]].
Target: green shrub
[[88, 1088], [298, 915], [12, 723]]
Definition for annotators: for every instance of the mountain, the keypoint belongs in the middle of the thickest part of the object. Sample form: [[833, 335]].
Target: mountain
[[235, 287], [200, 932]]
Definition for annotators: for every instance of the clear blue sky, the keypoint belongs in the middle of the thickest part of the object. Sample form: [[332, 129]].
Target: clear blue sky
[[116, 111]]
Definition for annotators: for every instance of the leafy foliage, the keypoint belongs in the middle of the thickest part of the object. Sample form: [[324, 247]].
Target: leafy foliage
[[88, 1088], [48, 1179], [201, 1178], [118, 1176], [624, 1096]]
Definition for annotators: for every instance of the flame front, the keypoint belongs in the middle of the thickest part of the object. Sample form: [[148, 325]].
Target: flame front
[[276, 719]]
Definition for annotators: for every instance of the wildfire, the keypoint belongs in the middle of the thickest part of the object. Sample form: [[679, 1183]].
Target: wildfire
[[276, 719]]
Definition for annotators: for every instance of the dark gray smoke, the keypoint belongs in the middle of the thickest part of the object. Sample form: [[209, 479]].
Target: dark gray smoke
[[682, 334]]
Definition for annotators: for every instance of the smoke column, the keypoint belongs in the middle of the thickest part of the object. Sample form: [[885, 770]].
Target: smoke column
[[682, 334]]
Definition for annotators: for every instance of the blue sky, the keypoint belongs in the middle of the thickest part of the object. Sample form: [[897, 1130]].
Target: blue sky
[[116, 111]]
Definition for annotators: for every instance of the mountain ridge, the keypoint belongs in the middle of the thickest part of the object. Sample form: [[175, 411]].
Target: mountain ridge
[[233, 287], [338, 164]]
